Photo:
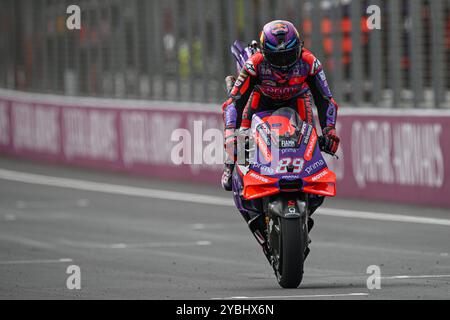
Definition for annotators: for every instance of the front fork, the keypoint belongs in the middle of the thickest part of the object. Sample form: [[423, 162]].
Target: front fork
[[281, 206]]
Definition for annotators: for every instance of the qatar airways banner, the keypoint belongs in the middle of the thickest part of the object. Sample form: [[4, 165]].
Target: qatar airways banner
[[401, 156]]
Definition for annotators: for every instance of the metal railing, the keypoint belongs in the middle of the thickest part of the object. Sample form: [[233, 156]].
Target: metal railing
[[179, 49]]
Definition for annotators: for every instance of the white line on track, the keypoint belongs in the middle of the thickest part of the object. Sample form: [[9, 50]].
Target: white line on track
[[62, 260], [418, 276], [112, 188], [374, 248], [93, 245], [10, 217], [193, 197], [356, 294], [25, 241], [381, 216]]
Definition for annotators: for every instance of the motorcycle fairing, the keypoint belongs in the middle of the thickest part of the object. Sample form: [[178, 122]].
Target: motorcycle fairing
[[261, 179]]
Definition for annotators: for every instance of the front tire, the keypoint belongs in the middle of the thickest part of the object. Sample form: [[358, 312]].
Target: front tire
[[292, 248]]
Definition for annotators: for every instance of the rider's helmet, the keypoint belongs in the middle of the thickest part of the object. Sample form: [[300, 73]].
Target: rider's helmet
[[281, 44]]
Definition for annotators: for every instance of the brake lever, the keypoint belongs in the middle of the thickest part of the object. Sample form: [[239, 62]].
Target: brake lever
[[334, 155]]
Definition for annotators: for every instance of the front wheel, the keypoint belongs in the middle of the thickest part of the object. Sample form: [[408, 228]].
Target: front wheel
[[291, 254]]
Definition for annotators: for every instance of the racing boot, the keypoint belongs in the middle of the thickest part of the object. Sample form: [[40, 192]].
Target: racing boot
[[226, 176], [314, 203], [310, 224]]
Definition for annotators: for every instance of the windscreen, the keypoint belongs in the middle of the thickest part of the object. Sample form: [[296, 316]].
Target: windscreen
[[285, 127]]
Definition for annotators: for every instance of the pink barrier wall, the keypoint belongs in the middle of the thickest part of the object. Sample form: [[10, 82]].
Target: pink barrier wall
[[402, 157], [134, 140], [399, 158]]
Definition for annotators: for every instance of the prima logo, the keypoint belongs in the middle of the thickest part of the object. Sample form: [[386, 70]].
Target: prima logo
[[263, 169], [314, 166]]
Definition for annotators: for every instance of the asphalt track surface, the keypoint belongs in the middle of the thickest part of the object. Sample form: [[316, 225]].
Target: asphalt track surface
[[133, 242]]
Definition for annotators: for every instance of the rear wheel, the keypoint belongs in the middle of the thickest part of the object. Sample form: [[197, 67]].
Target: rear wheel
[[291, 253]]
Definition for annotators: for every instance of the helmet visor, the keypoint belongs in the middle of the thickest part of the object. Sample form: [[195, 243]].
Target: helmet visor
[[285, 58]]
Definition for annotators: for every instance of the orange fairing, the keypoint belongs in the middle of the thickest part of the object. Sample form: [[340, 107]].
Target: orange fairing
[[258, 186], [284, 125], [263, 148], [322, 183], [309, 152]]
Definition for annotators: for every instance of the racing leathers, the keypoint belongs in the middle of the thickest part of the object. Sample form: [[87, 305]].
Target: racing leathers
[[271, 89]]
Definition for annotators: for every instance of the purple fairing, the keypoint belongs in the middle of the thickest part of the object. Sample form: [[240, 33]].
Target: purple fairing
[[316, 164], [309, 168], [240, 54], [238, 185]]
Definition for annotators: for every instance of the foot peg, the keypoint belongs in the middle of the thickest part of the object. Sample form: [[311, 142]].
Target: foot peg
[[226, 179]]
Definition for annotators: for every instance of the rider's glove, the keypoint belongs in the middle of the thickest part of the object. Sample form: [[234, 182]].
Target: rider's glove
[[229, 82], [331, 141]]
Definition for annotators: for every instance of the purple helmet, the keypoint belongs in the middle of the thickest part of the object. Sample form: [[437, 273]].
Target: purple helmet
[[280, 44]]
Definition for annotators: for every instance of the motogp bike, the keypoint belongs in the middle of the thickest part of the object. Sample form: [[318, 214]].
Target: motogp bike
[[278, 182]]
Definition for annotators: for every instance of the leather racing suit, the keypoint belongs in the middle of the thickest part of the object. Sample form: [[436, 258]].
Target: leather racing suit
[[267, 88]]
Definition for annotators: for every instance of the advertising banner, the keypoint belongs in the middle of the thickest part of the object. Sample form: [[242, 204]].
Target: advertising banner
[[402, 157]]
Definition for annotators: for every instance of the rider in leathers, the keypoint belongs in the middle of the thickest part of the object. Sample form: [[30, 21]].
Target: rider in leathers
[[282, 73]]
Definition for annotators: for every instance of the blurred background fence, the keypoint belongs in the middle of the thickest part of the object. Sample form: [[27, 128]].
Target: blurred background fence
[[178, 50]]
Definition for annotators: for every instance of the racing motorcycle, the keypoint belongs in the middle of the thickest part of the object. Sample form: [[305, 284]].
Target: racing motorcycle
[[279, 180]]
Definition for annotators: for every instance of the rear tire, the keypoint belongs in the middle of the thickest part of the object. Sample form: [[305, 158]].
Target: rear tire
[[292, 248]]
